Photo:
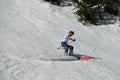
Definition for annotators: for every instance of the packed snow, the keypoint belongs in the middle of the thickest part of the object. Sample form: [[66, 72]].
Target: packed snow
[[30, 33]]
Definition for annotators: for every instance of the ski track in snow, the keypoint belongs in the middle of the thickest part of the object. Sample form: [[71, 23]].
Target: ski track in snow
[[30, 31]]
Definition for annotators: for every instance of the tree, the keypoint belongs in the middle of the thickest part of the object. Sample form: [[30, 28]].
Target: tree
[[112, 6], [87, 10], [57, 2]]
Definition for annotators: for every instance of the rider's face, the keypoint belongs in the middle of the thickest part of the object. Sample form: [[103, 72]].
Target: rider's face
[[70, 34]]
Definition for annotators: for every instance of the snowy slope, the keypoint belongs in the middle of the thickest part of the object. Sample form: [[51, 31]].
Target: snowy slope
[[32, 29]]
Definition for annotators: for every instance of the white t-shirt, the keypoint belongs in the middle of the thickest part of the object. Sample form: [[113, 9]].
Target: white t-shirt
[[65, 38]]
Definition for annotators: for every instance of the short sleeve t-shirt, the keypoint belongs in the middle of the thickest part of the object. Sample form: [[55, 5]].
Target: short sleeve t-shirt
[[65, 38]]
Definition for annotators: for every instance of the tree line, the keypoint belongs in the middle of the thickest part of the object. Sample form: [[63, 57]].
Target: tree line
[[91, 10]]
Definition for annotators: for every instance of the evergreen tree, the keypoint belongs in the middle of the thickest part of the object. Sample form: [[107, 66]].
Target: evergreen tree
[[87, 9], [57, 2], [112, 6]]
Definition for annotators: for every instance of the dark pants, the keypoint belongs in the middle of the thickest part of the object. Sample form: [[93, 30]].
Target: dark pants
[[67, 47]]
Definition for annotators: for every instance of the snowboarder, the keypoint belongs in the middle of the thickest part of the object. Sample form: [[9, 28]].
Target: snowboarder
[[64, 43]]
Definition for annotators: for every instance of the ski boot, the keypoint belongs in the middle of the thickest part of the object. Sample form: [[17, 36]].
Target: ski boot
[[70, 53]]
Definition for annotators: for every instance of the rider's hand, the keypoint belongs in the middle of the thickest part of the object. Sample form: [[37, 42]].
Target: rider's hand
[[74, 40]]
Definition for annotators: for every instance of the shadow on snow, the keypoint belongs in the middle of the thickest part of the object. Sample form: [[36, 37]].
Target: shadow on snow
[[76, 57]]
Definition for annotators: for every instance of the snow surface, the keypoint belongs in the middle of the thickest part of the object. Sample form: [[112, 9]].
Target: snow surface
[[31, 30]]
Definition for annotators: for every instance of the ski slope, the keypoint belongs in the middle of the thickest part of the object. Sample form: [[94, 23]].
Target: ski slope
[[31, 31]]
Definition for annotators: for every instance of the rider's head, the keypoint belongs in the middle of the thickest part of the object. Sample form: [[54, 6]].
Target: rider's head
[[71, 33]]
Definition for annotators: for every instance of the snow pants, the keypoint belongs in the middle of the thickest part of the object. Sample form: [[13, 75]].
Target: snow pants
[[67, 47]]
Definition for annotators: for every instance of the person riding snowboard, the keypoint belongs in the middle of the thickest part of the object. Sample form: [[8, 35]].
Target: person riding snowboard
[[64, 43]]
